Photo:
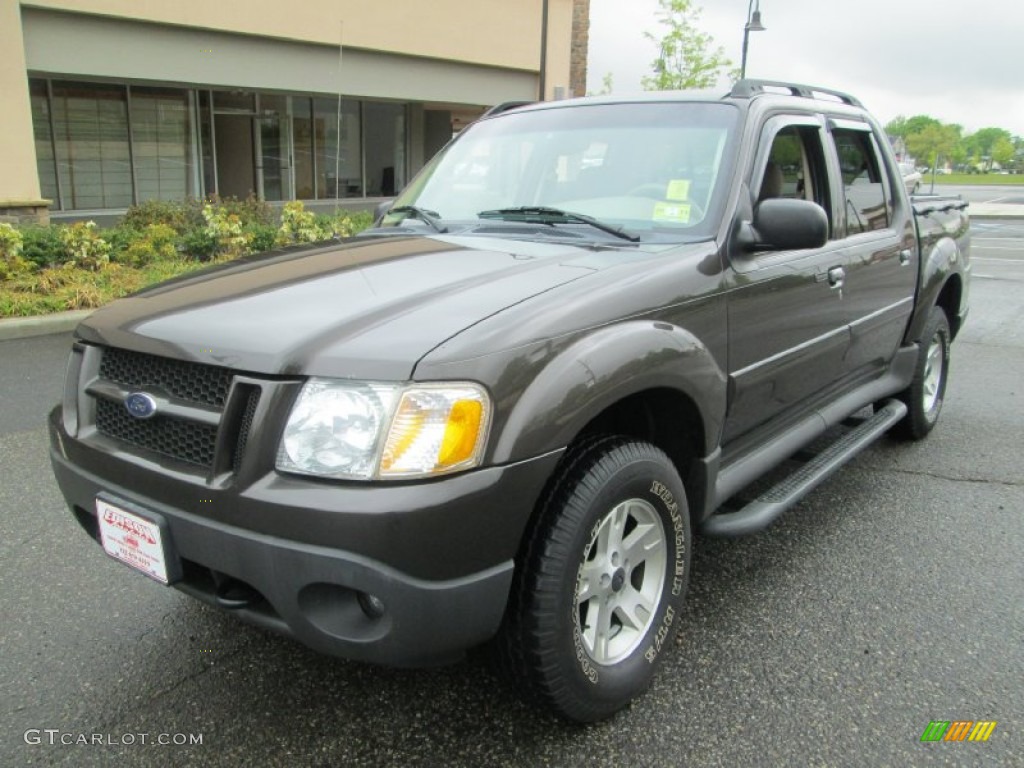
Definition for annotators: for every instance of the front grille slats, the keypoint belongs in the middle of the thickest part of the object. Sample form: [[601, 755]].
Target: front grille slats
[[176, 438], [198, 391], [192, 382]]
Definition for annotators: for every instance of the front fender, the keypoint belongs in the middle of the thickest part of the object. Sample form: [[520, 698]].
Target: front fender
[[602, 368], [944, 259]]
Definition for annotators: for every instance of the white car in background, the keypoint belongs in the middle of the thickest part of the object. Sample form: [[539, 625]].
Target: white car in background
[[911, 177]]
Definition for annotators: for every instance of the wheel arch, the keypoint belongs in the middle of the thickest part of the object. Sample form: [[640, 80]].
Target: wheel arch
[[648, 380], [941, 285]]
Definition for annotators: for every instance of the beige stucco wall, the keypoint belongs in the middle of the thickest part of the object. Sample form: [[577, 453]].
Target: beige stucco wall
[[19, 180], [446, 51], [502, 33]]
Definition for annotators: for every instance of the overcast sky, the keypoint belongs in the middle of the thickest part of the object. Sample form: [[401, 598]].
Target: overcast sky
[[961, 62]]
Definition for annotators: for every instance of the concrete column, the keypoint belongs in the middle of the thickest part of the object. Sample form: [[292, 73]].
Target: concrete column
[[580, 45], [19, 179]]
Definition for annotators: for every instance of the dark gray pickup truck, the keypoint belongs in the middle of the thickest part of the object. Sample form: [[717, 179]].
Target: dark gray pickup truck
[[499, 414]]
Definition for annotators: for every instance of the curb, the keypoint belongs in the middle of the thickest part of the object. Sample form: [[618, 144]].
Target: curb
[[41, 325]]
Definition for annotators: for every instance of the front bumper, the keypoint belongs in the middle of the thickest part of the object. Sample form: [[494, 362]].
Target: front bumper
[[300, 556]]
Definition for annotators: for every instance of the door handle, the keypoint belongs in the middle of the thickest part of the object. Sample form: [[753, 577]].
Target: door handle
[[904, 257], [836, 275]]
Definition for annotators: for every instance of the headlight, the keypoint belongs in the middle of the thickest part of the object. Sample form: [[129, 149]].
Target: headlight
[[364, 430]]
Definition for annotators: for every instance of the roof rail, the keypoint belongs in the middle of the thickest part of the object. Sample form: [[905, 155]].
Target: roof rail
[[505, 106], [747, 89]]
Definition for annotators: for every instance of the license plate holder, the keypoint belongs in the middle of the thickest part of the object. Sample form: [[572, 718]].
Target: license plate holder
[[138, 538]]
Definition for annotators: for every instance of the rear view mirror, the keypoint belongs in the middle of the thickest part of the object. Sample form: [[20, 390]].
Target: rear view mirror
[[781, 224]]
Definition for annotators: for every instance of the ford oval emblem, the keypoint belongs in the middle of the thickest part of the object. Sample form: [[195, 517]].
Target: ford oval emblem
[[140, 405]]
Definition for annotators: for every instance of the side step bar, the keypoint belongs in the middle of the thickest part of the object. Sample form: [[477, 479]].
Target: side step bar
[[764, 510]]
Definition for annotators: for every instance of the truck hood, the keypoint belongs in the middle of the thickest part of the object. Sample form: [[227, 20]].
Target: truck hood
[[368, 308]]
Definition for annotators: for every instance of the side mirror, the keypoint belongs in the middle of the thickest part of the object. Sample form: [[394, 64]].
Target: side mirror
[[381, 209], [781, 224]]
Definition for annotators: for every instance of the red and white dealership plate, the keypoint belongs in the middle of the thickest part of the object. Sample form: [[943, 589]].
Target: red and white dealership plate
[[132, 539]]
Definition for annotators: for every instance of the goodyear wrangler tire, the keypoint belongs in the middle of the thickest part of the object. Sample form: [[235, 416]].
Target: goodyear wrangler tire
[[602, 580], [927, 391]]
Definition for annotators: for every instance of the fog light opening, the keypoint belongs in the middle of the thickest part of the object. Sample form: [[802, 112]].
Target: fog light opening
[[372, 605]]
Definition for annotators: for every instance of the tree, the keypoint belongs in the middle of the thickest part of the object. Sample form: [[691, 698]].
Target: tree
[[1003, 151], [982, 142], [904, 126], [686, 59], [607, 85], [933, 142]]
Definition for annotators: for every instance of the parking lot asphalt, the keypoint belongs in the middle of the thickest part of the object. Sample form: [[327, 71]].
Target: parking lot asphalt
[[891, 597]]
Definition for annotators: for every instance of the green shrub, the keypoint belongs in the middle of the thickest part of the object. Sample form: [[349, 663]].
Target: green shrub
[[156, 241], [298, 225], [41, 246], [359, 220], [261, 237], [11, 263], [180, 215], [198, 244], [121, 238], [248, 211], [225, 228], [84, 247], [343, 224]]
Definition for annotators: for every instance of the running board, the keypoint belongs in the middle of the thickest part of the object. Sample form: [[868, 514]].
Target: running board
[[764, 510]]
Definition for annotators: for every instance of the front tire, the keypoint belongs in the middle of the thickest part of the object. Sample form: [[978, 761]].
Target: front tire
[[601, 581], [927, 391]]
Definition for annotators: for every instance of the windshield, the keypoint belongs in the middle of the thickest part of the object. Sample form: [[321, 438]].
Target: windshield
[[655, 170]]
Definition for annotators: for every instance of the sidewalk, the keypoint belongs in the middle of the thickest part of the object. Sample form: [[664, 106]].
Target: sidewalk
[[62, 322]]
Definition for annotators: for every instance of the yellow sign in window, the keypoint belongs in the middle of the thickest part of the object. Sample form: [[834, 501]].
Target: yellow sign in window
[[678, 213], [678, 189]]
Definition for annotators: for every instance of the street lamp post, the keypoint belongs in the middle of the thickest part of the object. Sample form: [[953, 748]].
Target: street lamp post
[[753, 25]]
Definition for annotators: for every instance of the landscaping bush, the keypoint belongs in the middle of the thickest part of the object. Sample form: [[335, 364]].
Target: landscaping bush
[[248, 211], [298, 225], [84, 247], [225, 229], [260, 237], [181, 216], [349, 223], [41, 246], [198, 244], [11, 263], [156, 241]]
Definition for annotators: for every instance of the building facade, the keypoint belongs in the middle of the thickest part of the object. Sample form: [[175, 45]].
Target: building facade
[[106, 103]]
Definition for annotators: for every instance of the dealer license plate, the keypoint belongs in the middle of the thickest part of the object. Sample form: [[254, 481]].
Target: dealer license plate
[[132, 539]]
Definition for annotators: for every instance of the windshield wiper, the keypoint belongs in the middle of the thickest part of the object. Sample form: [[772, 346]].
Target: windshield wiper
[[542, 214], [430, 217]]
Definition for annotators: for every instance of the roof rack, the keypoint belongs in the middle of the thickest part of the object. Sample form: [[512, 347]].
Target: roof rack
[[747, 89], [505, 106]]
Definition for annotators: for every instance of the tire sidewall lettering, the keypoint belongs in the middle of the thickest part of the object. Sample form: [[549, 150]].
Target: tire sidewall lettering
[[675, 521]]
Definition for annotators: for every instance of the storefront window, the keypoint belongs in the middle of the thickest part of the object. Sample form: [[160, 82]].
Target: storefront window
[[91, 135], [275, 147], [44, 141], [302, 137], [105, 146], [339, 171], [385, 148], [161, 143]]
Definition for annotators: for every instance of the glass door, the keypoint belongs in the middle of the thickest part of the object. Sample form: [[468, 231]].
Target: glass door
[[275, 167]]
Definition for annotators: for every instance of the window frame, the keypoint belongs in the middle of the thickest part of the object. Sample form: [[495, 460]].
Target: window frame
[[884, 180], [825, 193]]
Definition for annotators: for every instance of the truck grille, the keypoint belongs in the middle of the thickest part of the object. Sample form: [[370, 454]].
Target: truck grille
[[179, 439], [193, 441], [194, 382]]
